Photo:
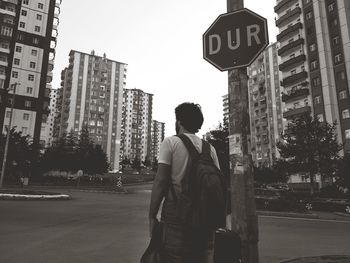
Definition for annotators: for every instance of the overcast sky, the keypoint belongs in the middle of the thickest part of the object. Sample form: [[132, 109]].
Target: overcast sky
[[161, 41]]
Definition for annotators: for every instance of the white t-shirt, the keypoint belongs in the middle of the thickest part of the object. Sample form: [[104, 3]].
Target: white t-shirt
[[173, 152]]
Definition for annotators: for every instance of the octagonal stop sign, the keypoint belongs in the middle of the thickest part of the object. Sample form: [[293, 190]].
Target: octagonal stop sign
[[235, 39]]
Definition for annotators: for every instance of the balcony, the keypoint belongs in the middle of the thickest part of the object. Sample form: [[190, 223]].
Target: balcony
[[5, 50], [295, 78], [295, 112], [296, 94], [289, 30], [288, 16], [8, 12], [283, 4], [292, 62], [290, 46], [4, 63]]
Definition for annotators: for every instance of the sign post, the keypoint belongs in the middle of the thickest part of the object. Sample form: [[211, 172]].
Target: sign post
[[231, 44]]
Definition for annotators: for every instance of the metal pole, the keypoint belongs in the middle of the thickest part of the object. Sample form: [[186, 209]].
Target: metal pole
[[8, 137], [243, 216]]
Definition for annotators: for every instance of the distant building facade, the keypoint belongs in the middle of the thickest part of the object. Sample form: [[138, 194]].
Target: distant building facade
[[314, 37], [27, 51], [92, 95], [48, 127], [157, 136], [137, 125], [265, 107]]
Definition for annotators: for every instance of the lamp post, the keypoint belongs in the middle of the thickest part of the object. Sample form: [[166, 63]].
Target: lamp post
[[8, 135]]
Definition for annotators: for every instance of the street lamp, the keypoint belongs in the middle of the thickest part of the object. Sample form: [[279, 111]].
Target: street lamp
[[13, 86]]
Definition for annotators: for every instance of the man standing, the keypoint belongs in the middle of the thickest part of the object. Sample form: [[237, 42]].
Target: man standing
[[181, 244]]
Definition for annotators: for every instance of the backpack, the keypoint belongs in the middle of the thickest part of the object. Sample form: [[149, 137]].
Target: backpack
[[202, 201]]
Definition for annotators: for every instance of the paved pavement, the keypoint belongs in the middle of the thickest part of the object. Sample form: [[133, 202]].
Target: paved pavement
[[107, 227]]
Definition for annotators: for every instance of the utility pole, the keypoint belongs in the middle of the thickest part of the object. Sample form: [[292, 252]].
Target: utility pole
[[243, 216], [8, 136]]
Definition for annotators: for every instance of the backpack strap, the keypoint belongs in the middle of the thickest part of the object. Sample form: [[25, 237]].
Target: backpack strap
[[189, 146], [206, 147]]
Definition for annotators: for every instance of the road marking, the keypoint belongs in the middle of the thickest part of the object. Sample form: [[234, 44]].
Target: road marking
[[308, 219]]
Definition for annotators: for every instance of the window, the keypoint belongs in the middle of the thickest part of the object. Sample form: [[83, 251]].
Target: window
[[37, 28], [314, 65], [6, 31], [340, 75], [294, 71], [331, 7], [24, 130], [317, 100], [338, 58], [18, 49], [24, 13], [25, 2], [35, 40], [25, 116], [32, 64], [34, 52], [14, 74], [39, 17], [40, 5], [336, 40], [30, 77], [316, 82], [27, 103], [345, 114], [308, 15], [16, 61], [347, 134], [8, 114], [312, 47], [22, 24], [29, 90]]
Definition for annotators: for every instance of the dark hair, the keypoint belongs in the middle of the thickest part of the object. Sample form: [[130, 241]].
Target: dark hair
[[190, 116]]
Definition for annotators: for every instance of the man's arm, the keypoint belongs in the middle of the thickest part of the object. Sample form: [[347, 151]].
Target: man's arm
[[160, 187]]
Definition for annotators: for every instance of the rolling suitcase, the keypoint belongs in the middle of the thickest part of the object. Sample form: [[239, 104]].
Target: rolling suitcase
[[227, 247]]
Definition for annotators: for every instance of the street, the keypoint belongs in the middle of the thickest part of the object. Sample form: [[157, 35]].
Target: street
[[107, 227]]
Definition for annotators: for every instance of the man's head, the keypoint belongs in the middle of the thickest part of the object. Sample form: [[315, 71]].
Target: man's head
[[189, 116]]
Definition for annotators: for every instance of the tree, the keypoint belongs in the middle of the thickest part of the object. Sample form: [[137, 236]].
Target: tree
[[70, 153], [343, 172], [309, 146], [147, 162], [219, 140], [96, 161], [267, 175], [20, 153], [136, 163]]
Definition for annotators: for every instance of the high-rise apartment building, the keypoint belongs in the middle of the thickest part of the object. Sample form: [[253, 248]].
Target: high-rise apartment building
[[314, 37], [265, 107], [48, 127], [157, 137], [92, 95], [28, 32], [137, 125]]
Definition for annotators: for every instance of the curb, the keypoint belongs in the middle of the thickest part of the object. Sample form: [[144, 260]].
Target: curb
[[320, 259], [21, 197], [287, 214], [342, 214], [122, 191]]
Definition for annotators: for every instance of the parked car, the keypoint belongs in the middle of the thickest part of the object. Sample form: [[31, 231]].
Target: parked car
[[328, 204], [276, 199]]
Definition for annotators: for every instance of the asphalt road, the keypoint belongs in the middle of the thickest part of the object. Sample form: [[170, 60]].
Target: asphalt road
[[106, 228]]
